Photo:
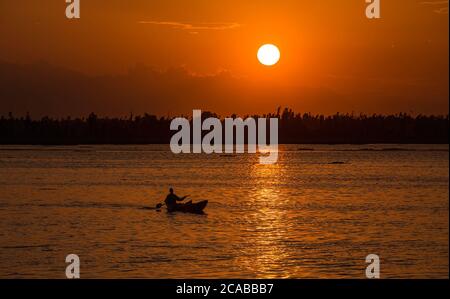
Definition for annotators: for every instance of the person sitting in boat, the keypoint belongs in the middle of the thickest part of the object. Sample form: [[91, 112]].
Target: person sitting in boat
[[172, 198]]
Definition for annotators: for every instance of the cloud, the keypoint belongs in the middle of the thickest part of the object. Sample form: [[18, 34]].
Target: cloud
[[43, 89], [440, 7], [194, 27]]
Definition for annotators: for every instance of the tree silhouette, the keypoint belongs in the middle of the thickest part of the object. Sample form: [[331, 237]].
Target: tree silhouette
[[293, 128]]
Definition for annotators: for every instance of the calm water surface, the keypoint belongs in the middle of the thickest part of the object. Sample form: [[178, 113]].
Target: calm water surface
[[304, 217]]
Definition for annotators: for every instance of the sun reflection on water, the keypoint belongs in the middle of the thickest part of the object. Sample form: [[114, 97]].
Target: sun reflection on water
[[265, 244]]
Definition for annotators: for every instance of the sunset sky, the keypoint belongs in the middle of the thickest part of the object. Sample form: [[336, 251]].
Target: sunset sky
[[169, 57]]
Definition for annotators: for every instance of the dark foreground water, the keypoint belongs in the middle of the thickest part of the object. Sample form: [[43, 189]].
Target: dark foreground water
[[306, 216]]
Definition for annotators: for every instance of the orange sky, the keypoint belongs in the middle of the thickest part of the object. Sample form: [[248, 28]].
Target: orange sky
[[332, 57]]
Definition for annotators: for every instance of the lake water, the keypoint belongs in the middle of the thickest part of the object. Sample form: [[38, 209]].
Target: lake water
[[304, 217]]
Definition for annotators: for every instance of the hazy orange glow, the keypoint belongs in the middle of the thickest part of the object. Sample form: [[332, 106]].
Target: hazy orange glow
[[333, 57]]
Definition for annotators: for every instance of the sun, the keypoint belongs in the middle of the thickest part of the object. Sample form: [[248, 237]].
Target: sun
[[268, 54]]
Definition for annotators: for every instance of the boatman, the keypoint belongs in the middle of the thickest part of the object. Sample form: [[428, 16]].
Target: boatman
[[172, 198]]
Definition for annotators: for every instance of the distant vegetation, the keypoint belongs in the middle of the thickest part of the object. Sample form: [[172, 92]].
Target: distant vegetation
[[293, 128]]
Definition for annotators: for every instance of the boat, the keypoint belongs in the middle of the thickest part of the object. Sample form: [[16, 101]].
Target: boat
[[189, 207]]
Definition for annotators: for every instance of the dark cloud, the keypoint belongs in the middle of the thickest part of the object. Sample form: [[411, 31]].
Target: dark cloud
[[43, 89]]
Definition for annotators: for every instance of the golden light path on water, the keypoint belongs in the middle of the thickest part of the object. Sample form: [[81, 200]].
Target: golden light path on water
[[304, 217], [270, 224]]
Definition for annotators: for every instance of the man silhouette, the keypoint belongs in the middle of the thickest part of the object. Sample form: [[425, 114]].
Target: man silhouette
[[172, 198]]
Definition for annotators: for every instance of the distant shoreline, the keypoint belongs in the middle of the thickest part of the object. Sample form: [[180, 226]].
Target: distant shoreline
[[293, 128], [301, 149]]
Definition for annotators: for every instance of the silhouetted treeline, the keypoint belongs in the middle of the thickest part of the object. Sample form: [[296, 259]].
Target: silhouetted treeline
[[293, 128]]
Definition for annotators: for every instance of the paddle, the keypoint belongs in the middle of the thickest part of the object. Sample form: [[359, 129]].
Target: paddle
[[159, 206]]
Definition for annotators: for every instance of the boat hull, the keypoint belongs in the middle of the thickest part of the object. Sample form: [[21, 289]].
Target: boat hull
[[189, 207]]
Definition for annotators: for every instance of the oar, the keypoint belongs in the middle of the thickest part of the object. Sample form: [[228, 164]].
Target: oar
[[159, 206]]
